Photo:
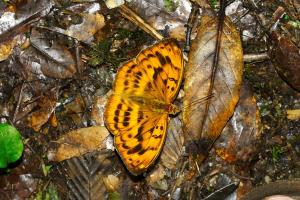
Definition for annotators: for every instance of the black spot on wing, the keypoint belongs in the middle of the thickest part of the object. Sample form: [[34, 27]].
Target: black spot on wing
[[140, 130], [174, 80], [116, 119], [168, 60], [157, 71], [119, 106], [142, 152], [135, 149], [139, 137], [133, 66], [165, 81], [140, 116], [125, 123], [157, 136], [161, 58], [125, 146], [150, 55]]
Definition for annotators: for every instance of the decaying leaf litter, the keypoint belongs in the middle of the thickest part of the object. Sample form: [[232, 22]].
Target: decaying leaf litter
[[54, 71]]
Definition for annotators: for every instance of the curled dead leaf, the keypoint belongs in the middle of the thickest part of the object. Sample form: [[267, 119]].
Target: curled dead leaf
[[201, 129], [53, 60], [47, 106], [285, 55], [240, 139], [78, 142]]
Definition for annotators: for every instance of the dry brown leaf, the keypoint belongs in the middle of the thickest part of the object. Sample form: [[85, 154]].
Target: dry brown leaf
[[6, 49], [111, 182], [286, 57], [75, 110], [53, 120], [200, 132], [78, 142], [239, 140], [51, 60], [47, 105], [85, 31], [98, 109]]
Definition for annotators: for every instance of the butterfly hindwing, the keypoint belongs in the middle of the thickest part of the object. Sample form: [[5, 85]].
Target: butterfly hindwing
[[140, 150], [139, 132]]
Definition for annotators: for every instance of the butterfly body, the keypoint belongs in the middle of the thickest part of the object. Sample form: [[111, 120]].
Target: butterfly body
[[137, 111]]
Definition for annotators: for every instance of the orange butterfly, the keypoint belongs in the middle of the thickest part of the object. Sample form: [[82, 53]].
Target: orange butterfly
[[137, 111]]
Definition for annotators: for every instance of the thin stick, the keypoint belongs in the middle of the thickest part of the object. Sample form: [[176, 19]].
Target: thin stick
[[137, 20], [215, 60]]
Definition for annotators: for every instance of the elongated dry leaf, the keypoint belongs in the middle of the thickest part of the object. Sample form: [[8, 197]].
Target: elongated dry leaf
[[78, 142], [201, 131]]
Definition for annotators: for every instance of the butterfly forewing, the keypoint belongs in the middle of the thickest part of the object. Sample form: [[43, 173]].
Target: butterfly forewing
[[137, 111]]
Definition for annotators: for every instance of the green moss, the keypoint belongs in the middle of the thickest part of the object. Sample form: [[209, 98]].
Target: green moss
[[276, 153], [213, 3], [170, 5], [100, 53], [49, 193]]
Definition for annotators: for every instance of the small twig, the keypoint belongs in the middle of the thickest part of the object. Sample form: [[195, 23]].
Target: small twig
[[18, 104], [252, 57], [78, 58], [189, 26]]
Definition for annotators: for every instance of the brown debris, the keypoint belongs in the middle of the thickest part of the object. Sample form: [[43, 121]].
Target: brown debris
[[78, 142]]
